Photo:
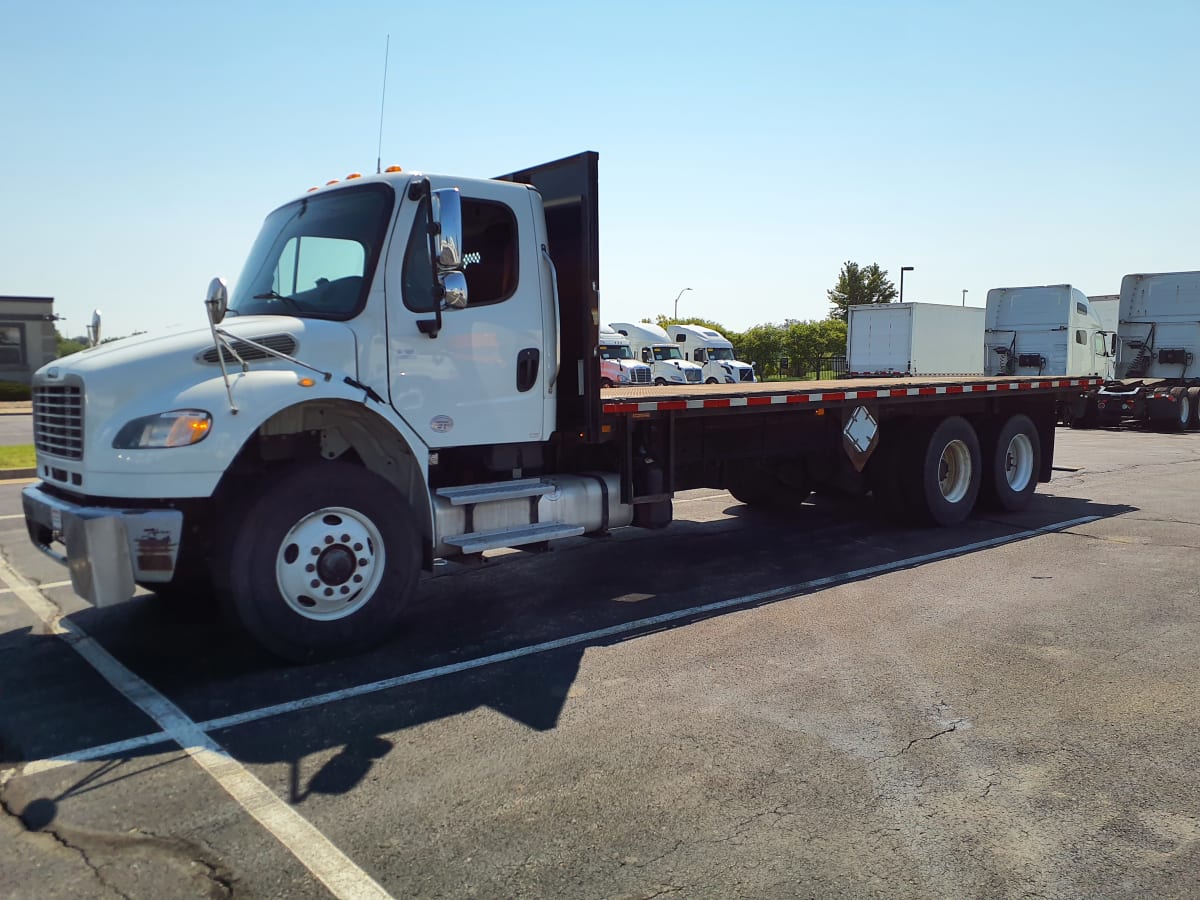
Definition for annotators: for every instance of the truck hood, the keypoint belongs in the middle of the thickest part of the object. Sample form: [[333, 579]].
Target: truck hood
[[169, 349], [155, 372]]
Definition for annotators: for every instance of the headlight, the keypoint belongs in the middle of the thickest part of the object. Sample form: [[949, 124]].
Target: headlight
[[177, 428]]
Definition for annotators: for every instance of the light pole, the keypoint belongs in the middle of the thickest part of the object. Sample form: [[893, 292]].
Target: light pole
[[677, 296], [964, 296], [903, 269]]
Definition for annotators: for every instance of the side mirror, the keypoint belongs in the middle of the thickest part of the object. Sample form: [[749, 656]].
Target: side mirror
[[217, 301], [447, 215], [94, 328]]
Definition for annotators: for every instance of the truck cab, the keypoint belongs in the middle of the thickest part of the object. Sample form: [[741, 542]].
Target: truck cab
[[713, 352], [1045, 330], [656, 349], [617, 363]]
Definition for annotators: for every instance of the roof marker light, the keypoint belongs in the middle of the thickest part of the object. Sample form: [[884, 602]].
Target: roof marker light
[[393, 169], [311, 189], [331, 181], [353, 175]]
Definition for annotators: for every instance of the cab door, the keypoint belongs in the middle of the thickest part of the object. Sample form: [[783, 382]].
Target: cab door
[[480, 377]]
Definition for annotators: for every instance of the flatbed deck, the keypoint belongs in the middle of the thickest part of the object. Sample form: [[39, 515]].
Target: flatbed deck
[[661, 398]]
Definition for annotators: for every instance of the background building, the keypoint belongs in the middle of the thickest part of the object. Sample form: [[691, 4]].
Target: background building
[[27, 338]]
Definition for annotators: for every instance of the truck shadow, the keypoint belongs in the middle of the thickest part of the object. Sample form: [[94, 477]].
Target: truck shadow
[[509, 635]]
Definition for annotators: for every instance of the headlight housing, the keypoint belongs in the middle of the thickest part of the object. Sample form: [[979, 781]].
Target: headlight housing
[[177, 428]]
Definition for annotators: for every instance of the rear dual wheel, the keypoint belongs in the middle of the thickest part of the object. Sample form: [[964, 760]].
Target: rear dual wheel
[[928, 475], [1014, 459]]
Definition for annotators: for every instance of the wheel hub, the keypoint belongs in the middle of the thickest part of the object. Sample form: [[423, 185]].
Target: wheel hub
[[330, 563]]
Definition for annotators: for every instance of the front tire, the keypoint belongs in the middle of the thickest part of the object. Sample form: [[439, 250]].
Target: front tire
[[323, 561]]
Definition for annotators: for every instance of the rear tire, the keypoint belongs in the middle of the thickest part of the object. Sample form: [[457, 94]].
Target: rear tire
[[1193, 394], [945, 482], [1013, 459], [323, 561]]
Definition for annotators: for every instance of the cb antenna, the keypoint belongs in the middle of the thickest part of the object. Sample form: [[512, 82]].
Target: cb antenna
[[379, 153]]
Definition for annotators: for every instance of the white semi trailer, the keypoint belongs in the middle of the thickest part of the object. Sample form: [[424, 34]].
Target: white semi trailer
[[884, 339]]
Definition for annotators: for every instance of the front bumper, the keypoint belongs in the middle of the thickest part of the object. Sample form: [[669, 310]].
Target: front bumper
[[106, 550]]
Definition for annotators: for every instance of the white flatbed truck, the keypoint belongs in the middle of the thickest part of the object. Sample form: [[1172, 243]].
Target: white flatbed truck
[[407, 370]]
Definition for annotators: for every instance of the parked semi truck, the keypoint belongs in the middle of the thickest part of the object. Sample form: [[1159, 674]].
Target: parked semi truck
[[887, 339], [713, 352], [1045, 330], [1158, 345], [407, 370], [656, 349], [617, 363]]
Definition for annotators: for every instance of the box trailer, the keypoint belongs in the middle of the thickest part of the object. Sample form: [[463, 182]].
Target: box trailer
[[888, 339]]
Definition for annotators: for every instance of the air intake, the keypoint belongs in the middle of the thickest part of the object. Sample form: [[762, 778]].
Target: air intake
[[281, 343]]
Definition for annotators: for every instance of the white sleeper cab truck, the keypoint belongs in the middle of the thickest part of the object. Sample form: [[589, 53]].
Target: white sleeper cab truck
[[1158, 355], [914, 339], [1045, 330], [406, 370], [617, 365], [713, 352], [654, 347]]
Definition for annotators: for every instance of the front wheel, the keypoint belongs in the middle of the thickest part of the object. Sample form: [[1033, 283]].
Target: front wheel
[[660, 381], [323, 561], [712, 381]]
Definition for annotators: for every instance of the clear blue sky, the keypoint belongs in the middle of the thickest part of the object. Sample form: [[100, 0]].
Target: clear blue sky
[[746, 149]]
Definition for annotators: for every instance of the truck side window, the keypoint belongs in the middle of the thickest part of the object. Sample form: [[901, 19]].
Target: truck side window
[[489, 256], [1080, 336], [489, 250], [699, 355], [1100, 344]]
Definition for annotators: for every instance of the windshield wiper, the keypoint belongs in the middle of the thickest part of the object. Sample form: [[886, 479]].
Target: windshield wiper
[[275, 295]]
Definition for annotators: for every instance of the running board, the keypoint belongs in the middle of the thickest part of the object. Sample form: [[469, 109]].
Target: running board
[[478, 541], [501, 490]]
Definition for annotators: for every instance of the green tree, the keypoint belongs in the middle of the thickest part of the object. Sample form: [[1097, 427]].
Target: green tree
[[761, 345], [67, 346], [859, 284]]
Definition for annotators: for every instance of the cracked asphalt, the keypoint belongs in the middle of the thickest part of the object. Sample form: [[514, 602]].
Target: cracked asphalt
[[1013, 721]]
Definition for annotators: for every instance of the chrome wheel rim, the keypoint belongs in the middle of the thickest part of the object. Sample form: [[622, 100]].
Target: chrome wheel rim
[[329, 564], [954, 471], [1185, 409], [1018, 462]]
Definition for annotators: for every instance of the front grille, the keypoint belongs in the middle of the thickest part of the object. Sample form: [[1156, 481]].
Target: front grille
[[747, 374], [640, 376], [281, 343], [58, 421], [692, 374]]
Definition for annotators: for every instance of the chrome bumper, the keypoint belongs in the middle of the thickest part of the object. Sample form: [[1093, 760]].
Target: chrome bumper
[[107, 551]]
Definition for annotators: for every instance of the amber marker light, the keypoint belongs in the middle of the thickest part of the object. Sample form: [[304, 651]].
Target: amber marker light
[[311, 189], [393, 169], [306, 382], [331, 181], [353, 175]]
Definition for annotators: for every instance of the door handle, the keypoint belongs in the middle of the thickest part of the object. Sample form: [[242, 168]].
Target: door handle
[[527, 368]]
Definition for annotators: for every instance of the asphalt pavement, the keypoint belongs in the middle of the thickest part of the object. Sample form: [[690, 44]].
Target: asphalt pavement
[[741, 705]]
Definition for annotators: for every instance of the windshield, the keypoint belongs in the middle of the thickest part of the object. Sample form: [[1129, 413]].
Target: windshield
[[314, 258], [665, 352], [616, 351], [720, 353]]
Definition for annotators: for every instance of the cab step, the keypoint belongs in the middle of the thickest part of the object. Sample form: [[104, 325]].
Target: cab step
[[490, 493], [478, 541]]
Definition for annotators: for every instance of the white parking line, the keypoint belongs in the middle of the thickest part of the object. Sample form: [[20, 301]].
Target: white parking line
[[40, 587], [266, 712], [313, 850]]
